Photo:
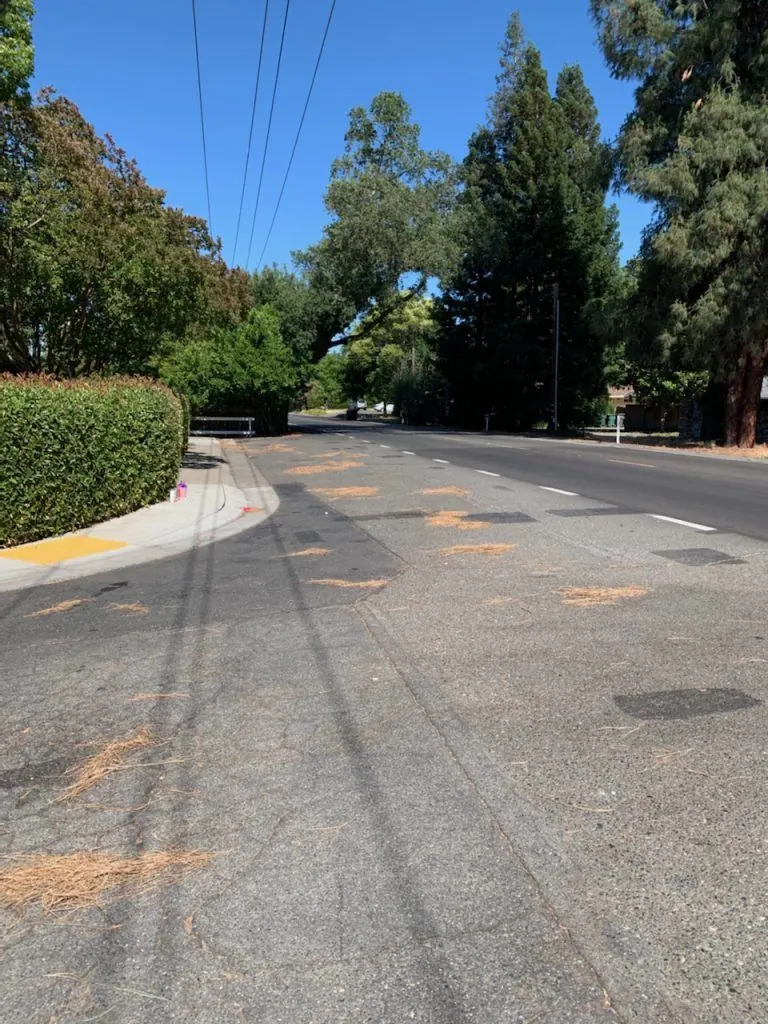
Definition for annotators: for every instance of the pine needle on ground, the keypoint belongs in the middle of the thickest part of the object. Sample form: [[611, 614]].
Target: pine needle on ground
[[351, 584], [84, 879], [478, 549], [109, 758], [455, 519], [593, 597]]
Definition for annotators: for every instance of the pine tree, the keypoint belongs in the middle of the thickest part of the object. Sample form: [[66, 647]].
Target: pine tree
[[696, 146], [532, 215]]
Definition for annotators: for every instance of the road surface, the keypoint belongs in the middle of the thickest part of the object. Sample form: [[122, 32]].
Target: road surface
[[462, 748]]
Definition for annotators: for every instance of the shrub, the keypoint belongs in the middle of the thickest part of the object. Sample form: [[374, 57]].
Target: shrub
[[247, 371], [76, 452]]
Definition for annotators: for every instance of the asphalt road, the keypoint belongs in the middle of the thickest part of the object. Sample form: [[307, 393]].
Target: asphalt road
[[724, 494], [464, 751]]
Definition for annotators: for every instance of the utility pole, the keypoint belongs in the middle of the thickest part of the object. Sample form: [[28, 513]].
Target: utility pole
[[555, 395]]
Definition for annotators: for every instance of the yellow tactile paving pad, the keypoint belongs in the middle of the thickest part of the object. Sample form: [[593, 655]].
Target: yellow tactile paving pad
[[62, 549]]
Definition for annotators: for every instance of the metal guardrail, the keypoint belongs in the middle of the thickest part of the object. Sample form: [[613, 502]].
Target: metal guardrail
[[229, 431]]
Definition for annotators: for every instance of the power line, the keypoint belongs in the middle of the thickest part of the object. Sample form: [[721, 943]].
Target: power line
[[269, 129], [298, 133], [250, 131], [202, 118]]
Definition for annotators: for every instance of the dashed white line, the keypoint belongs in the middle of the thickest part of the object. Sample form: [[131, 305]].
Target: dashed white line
[[556, 490], [684, 522], [367, 442], [487, 472], [385, 446], [443, 462], [408, 453]]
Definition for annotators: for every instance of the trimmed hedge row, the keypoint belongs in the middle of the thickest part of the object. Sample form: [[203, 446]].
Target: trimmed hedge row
[[76, 452]]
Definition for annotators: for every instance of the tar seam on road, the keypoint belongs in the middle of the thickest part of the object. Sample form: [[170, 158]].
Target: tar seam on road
[[363, 611]]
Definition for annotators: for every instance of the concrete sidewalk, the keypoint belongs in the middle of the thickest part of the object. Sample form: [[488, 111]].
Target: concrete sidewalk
[[216, 506]]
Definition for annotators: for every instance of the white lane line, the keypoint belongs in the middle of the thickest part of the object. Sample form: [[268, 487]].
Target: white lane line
[[408, 453], [443, 462], [487, 472], [556, 490], [385, 446], [684, 522], [367, 442]]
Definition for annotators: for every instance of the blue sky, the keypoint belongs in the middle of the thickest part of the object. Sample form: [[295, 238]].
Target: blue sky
[[130, 68]]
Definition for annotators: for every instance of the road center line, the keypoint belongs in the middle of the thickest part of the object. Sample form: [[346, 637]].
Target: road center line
[[684, 522], [408, 453], [556, 490], [487, 472], [443, 462], [385, 446]]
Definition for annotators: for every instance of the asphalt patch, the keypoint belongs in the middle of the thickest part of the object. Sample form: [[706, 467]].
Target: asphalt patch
[[669, 705], [579, 513], [700, 556], [473, 517]]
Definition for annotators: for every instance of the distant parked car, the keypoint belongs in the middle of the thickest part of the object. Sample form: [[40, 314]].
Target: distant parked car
[[388, 409], [361, 405]]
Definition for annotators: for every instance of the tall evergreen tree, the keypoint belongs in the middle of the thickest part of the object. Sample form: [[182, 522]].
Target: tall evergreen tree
[[532, 215], [696, 146]]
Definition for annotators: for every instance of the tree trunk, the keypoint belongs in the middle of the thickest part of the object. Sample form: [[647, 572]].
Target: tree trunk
[[743, 399]]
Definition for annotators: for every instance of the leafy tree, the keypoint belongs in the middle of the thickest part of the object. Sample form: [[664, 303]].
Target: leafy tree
[[327, 383], [248, 370], [16, 50], [311, 313], [360, 365], [97, 270], [532, 215], [389, 360], [389, 200], [695, 147]]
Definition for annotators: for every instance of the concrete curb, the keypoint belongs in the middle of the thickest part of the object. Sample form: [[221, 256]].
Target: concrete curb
[[212, 511]]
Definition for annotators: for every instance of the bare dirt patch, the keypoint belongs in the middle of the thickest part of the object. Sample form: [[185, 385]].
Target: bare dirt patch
[[456, 520], [85, 879], [593, 597], [108, 759], [309, 553], [455, 492]]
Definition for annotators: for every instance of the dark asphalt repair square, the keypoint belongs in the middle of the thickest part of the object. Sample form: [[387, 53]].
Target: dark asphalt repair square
[[574, 513], [700, 556], [500, 517], [682, 704], [307, 536]]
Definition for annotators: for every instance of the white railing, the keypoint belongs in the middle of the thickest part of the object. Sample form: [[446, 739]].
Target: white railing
[[227, 429]]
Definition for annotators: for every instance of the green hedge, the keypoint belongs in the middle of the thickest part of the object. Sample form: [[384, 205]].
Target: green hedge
[[76, 452]]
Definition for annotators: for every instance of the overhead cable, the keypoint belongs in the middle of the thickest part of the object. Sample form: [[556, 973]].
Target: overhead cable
[[250, 130], [269, 129], [298, 133], [202, 118]]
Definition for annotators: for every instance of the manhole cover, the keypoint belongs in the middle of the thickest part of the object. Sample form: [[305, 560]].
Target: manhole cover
[[700, 556], [678, 704]]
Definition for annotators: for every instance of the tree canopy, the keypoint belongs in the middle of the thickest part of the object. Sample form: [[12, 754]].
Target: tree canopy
[[695, 147], [532, 216], [389, 201]]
